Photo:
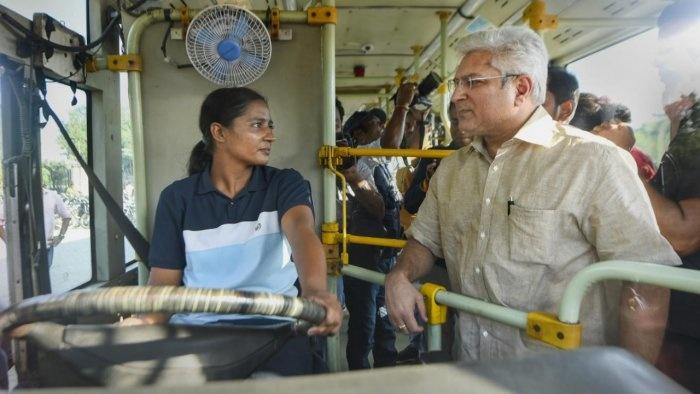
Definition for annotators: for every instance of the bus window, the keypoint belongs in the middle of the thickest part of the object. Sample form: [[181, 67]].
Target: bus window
[[67, 192], [128, 196], [626, 74], [71, 13]]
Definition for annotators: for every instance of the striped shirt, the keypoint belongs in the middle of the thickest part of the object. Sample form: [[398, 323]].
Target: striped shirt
[[219, 242]]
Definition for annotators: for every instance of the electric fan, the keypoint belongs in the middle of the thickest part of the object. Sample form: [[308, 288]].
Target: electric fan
[[228, 45]]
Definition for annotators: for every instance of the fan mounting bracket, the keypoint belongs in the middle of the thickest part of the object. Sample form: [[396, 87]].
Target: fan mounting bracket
[[321, 16]]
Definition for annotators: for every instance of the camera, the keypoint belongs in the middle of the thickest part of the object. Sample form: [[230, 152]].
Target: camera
[[425, 88]]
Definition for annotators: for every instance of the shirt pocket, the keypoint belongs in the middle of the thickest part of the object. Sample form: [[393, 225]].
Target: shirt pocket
[[532, 234]]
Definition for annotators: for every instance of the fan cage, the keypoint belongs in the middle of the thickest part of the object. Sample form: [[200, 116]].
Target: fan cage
[[218, 23]]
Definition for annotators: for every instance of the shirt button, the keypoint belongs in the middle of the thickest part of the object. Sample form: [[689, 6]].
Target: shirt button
[[495, 168], [488, 201], [485, 334], [482, 235], [477, 269]]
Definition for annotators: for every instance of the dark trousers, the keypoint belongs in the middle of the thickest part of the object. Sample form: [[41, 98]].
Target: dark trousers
[[369, 328], [301, 355]]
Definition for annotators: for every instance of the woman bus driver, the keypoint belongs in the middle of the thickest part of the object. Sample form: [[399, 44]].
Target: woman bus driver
[[232, 222]]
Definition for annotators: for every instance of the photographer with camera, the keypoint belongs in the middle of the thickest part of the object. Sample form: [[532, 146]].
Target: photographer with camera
[[367, 330]]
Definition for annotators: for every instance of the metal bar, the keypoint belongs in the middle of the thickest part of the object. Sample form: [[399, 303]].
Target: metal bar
[[299, 17], [434, 337], [359, 80], [133, 42], [460, 302], [329, 194], [653, 274], [376, 152], [395, 7], [469, 7], [374, 241], [497, 313], [364, 274]]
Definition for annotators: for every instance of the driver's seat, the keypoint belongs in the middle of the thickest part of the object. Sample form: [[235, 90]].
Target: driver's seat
[[128, 356]]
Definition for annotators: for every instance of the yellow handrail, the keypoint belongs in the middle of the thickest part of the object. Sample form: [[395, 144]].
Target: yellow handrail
[[422, 153], [344, 258], [373, 241]]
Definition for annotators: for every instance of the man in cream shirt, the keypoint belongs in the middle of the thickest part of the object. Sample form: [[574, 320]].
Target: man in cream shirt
[[527, 205]]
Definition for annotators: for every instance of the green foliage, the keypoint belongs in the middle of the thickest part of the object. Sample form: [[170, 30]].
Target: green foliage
[[77, 130], [55, 175], [653, 137]]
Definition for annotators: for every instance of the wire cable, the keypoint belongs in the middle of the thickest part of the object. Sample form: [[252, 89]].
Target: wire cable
[[65, 48]]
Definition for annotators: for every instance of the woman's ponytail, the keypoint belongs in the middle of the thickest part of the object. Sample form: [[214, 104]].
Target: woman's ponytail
[[200, 158]]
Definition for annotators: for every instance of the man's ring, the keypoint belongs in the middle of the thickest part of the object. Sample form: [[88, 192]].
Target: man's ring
[[402, 327]]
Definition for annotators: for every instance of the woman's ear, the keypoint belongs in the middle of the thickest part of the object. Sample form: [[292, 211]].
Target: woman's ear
[[217, 132]]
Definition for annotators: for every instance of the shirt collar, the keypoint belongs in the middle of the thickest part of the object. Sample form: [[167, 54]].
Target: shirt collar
[[257, 181], [539, 129]]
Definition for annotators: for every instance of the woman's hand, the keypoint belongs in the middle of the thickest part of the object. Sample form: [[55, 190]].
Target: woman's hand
[[334, 314], [140, 320]]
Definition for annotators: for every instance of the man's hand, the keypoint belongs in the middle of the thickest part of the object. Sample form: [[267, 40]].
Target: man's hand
[[402, 299], [352, 176], [55, 240], [430, 169], [405, 93], [675, 112], [334, 314], [144, 319]]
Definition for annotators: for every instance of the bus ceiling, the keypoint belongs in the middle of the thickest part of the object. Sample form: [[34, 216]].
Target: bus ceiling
[[379, 36]]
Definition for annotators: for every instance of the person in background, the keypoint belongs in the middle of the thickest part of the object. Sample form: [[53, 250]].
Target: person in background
[[374, 214], [413, 198], [588, 112], [675, 189], [53, 206], [616, 128], [562, 94]]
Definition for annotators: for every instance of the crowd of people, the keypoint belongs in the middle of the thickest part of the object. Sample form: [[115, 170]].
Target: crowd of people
[[545, 180]]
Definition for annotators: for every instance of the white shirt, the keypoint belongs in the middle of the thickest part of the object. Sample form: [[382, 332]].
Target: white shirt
[[53, 205], [365, 165]]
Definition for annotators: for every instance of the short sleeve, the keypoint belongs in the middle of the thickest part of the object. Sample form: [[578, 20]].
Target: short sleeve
[[293, 190], [426, 227], [167, 243]]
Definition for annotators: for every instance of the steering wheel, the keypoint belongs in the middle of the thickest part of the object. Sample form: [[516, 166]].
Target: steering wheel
[[131, 356], [157, 299]]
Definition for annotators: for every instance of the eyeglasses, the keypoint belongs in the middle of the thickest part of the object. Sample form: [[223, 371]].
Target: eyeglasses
[[472, 82]]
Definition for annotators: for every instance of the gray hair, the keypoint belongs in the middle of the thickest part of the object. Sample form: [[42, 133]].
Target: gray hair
[[516, 50]]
